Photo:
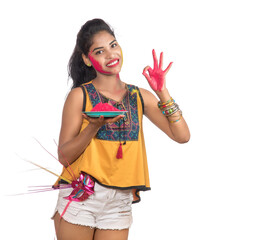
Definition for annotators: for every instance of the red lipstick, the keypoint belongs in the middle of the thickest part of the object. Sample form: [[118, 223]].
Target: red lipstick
[[113, 63]]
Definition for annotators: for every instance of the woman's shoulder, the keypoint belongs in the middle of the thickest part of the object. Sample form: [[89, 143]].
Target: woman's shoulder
[[75, 92], [145, 93], [142, 91], [75, 96], [135, 88]]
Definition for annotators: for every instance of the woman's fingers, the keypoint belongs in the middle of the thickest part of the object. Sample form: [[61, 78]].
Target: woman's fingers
[[101, 120], [168, 68], [85, 116], [155, 59], [161, 61], [145, 70], [115, 119]]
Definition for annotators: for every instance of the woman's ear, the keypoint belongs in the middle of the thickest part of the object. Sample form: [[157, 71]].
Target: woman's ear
[[86, 60]]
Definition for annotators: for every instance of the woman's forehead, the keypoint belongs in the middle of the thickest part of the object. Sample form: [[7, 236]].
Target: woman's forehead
[[102, 38]]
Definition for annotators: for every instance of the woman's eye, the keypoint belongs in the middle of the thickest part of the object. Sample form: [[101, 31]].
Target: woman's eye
[[98, 52], [114, 45]]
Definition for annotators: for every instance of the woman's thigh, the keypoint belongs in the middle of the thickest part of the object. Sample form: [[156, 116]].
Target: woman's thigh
[[111, 234], [67, 231]]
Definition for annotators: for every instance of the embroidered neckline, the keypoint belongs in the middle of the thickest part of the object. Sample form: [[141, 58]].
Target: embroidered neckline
[[110, 131], [111, 99]]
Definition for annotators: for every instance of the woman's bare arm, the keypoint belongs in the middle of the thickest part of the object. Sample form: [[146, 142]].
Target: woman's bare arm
[[178, 131], [72, 142]]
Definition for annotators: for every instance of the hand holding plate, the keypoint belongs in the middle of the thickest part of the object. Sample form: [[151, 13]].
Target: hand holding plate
[[101, 120]]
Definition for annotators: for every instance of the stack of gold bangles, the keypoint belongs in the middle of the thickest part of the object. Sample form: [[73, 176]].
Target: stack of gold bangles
[[169, 108]]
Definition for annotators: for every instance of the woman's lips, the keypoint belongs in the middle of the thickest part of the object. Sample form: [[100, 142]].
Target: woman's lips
[[113, 63]]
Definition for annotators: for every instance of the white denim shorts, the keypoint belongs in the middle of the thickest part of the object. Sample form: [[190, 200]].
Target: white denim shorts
[[106, 209]]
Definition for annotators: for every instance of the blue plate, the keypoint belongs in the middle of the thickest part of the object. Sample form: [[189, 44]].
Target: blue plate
[[105, 114]]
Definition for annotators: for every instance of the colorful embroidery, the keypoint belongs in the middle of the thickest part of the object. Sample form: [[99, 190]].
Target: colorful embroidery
[[125, 130]]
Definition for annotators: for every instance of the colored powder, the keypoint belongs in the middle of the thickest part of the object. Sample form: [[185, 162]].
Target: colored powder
[[97, 66], [104, 107]]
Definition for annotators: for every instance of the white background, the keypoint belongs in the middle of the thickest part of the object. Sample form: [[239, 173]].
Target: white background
[[200, 190]]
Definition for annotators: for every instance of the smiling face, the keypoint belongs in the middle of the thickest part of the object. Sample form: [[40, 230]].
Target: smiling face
[[105, 54]]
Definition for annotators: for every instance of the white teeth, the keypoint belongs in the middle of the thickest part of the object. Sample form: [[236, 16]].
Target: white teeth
[[110, 64]]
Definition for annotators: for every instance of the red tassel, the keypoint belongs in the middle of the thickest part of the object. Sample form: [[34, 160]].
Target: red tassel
[[120, 152]]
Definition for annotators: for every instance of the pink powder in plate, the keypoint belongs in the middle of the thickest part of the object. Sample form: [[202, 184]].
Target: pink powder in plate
[[104, 107]]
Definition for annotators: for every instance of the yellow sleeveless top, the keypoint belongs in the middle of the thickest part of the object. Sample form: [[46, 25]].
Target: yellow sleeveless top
[[99, 158]]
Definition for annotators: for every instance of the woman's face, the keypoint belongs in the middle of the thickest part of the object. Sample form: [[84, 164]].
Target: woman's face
[[105, 54]]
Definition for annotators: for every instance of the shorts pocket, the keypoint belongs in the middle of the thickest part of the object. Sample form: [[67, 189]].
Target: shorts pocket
[[71, 209]]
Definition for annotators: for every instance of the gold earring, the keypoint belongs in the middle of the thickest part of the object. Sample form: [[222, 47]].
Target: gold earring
[[88, 64]]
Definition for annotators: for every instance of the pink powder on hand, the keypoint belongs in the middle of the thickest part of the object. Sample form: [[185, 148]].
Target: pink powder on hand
[[104, 107]]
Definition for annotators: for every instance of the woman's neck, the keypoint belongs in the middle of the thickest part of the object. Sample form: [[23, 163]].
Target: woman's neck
[[111, 87], [108, 83]]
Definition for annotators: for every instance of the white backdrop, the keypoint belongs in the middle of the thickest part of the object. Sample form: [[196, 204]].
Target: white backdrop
[[200, 190]]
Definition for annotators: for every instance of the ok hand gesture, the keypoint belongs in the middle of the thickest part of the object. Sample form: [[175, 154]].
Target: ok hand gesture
[[156, 76]]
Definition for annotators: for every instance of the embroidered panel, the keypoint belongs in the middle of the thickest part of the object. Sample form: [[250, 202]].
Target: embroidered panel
[[126, 129]]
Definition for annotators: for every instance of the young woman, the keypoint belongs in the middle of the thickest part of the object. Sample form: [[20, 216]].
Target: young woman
[[109, 153]]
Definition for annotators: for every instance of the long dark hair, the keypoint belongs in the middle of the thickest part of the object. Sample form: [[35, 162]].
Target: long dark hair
[[77, 69]]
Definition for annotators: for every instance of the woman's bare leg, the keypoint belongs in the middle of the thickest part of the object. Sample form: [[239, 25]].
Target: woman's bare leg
[[69, 231], [111, 234]]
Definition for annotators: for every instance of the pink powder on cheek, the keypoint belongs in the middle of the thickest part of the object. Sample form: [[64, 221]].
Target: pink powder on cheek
[[97, 66]]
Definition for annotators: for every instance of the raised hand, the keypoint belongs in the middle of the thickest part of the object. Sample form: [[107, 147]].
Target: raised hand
[[156, 76]]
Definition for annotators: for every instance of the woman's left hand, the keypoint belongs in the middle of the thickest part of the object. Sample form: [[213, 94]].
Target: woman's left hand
[[156, 76]]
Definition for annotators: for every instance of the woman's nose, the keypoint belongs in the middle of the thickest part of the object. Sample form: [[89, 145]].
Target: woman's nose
[[110, 53]]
